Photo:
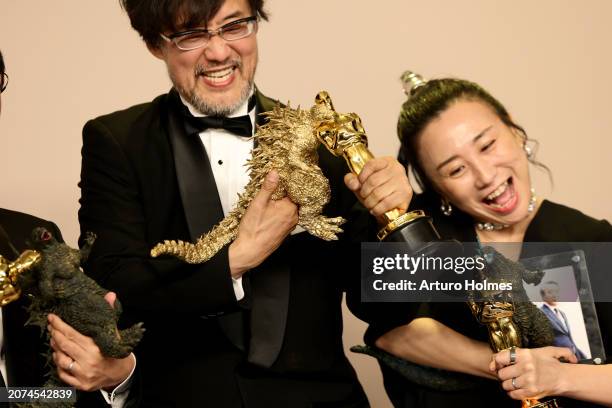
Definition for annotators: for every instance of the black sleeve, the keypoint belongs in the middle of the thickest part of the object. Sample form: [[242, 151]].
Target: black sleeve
[[112, 207], [381, 316]]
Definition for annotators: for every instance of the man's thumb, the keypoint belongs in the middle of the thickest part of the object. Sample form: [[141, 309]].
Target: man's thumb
[[269, 185]]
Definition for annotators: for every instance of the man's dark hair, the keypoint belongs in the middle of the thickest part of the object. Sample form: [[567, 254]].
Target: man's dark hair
[[2, 67], [152, 17]]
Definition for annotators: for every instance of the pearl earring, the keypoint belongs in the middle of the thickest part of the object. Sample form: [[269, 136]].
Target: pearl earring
[[446, 207]]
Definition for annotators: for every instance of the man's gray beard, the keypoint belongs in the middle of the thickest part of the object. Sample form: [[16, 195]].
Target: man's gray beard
[[210, 109]]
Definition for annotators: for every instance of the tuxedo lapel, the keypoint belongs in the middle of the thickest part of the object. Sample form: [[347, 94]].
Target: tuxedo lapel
[[263, 104], [194, 175], [270, 289], [199, 196]]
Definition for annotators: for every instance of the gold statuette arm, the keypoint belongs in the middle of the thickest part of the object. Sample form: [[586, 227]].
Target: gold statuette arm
[[10, 271]]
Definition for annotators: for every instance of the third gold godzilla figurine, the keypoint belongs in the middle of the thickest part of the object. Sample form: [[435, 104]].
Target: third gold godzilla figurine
[[288, 144]]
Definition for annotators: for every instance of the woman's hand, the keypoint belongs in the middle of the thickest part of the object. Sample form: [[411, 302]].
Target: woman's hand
[[536, 373]]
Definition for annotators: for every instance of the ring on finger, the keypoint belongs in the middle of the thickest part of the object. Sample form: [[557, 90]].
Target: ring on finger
[[513, 355], [69, 368], [516, 387]]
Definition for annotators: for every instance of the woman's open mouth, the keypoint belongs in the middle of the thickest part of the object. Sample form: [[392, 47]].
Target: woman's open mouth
[[504, 199]]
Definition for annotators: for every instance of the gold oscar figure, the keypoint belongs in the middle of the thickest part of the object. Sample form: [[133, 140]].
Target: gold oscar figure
[[10, 271], [349, 141], [503, 335]]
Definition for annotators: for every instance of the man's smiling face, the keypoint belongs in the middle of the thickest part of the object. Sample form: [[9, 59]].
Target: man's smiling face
[[217, 78]]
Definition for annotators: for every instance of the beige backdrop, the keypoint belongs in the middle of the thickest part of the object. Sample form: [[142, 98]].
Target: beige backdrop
[[548, 61]]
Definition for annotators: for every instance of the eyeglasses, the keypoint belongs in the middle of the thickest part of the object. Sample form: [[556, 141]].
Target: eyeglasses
[[199, 37], [3, 82]]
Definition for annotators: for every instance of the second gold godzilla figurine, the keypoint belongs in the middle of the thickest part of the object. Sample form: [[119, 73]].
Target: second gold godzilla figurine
[[288, 144]]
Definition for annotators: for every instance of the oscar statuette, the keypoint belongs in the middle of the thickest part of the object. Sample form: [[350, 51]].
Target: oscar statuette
[[415, 229], [512, 321], [503, 335], [10, 272]]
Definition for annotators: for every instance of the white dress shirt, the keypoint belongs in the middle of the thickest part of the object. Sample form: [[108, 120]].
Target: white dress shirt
[[228, 154], [117, 397]]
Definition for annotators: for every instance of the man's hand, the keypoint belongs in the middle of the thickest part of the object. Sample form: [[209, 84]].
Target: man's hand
[[79, 360], [382, 186], [262, 229]]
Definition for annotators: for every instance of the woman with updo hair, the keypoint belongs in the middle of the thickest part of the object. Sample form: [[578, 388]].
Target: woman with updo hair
[[471, 161]]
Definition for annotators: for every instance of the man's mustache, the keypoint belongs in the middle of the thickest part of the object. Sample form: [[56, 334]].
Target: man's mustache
[[202, 69]]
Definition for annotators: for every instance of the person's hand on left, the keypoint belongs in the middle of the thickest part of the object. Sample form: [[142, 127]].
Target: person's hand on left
[[536, 373], [79, 361], [381, 186]]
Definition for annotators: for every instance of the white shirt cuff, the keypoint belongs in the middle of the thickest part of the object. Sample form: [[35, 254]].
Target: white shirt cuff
[[238, 289], [117, 398], [298, 229]]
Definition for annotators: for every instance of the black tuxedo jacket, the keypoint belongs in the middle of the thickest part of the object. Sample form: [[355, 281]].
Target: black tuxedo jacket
[[144, 180], [23, 347]]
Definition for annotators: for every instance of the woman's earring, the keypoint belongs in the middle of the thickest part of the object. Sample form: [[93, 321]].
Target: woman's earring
[[528, 150], [446, 207]]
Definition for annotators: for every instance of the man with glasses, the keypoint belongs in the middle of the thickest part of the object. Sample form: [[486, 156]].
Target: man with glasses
[[22, 358], [260, 323]]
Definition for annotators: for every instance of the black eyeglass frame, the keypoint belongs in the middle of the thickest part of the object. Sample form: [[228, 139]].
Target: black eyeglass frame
[[175, 37], [4, 82]]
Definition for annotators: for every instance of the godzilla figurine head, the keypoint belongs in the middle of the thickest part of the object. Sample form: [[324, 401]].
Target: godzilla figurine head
[[41, 238]]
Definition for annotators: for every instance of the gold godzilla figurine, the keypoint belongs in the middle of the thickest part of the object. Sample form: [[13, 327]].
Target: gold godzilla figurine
[[288, 144]]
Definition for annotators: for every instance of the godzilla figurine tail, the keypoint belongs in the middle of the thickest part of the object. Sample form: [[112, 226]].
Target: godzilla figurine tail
[[207, 245]]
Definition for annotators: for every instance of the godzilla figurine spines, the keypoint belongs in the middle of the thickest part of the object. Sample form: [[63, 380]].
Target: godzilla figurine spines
[[288, 144]]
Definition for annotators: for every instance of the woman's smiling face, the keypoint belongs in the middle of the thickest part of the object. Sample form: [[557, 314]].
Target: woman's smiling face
[[477, 162]]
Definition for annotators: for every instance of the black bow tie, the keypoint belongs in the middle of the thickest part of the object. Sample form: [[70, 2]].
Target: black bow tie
[[239, 125]]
